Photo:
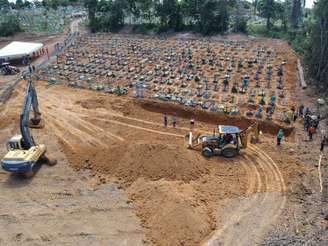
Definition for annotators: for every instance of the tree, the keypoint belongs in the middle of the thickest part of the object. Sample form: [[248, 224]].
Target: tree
[[169, 12], [285, 11], [214, 17], [146, 9], [4, 4], [91, 6], [317, 56], [241, 14], [191, 11], [10, 26], [206, 16], [267, 10], [296, 15], [19, 4], [116, 15]]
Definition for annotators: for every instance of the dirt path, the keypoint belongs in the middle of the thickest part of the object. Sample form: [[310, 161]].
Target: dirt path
[[247, 219]]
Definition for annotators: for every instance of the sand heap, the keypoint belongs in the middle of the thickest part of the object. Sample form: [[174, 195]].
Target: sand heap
[[152, 161], [172, 211]]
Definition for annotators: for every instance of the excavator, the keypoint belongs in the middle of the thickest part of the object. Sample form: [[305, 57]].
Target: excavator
[[227, 142], [23, 153]]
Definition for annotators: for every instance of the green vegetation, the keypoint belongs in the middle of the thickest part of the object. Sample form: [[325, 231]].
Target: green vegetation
[[47, 16], [10, 25], [317, 55], [207, 17]]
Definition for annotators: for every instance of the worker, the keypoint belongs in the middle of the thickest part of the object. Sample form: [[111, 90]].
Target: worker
[[192, 123], [165, 119], [324, 141], [47, 51], [306, 122], [227, 138], [300, 110], [311, 131], [174, 120], [280, 135], [295, 116]]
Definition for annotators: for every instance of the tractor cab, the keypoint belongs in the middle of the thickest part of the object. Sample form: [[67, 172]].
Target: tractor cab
[[225, 143], [15, 143]]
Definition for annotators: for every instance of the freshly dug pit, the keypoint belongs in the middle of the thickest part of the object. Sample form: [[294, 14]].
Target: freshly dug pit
[[212, 118]]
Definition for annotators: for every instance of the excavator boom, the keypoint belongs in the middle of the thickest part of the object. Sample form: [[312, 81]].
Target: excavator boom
[[23, 153]]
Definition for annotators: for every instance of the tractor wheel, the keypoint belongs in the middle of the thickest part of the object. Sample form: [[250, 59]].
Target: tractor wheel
[[229, 152], [207, 152]]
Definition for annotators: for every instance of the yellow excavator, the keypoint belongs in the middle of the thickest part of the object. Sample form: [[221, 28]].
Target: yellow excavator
[[226, 142], [23, 153]]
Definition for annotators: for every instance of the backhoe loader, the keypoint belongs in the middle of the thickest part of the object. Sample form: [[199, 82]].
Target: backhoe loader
[[23, 153], [227, 142]]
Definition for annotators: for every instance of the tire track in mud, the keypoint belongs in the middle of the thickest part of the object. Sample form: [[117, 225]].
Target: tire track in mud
[[248, 218]]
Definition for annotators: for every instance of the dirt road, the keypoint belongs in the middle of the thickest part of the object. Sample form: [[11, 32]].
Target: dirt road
[[247, 219]]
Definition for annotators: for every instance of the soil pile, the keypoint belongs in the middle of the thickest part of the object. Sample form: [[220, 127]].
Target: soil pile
[[152, 161], [173, 212], [92, 103]]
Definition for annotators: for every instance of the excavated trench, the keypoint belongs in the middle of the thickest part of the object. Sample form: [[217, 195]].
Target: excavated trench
[[216, 118]]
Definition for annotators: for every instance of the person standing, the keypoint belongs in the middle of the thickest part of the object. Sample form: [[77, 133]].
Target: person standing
[[300, 110], [280, 135], [324, 141], [192, 123], [47, 51], [174, 120], [295, 116], [306, 122], [311, 131], [165, 119]]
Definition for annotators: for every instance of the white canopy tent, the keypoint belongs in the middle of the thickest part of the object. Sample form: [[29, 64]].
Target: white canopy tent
[[17, 50]]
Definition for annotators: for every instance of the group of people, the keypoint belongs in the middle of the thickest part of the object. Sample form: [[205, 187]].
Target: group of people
[[31, 69], [174, 121], [310, 123]]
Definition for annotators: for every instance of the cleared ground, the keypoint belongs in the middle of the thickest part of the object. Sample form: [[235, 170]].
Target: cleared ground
[[124, 179]]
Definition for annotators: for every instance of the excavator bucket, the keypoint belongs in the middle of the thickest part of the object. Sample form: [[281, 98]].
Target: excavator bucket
[[36, 123]]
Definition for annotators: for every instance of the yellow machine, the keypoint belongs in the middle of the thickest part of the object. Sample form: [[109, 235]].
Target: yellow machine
[[23, 154], [227, 142]]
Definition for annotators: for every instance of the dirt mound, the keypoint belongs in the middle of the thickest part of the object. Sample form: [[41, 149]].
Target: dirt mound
[[172, 211], [152, 161], [92, 103]]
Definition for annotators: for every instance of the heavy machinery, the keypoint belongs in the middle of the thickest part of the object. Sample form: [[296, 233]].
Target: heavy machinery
[[23, 153], [227, 142], [6, 69]]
